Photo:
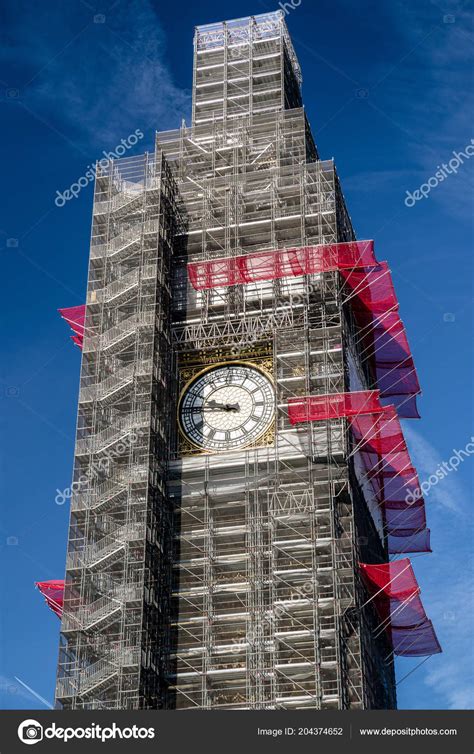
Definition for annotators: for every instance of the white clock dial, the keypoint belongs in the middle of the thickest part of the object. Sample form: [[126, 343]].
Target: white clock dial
[[227, 407]]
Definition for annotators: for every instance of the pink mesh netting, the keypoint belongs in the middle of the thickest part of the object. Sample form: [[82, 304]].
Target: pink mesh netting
[[332, 406], [378, 441], [270, 265], [53, 593], [395, 592], [382, 336], [75, 316]]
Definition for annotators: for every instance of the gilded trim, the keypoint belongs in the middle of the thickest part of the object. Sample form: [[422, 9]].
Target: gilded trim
[[264, 367]]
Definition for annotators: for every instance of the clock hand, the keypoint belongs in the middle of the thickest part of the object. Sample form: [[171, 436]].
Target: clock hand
[[213, 406], [232, 407]]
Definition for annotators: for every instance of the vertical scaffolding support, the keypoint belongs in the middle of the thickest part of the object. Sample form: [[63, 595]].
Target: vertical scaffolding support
[[116, 611]]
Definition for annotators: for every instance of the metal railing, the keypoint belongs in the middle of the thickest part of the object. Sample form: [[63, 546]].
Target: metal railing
[[118, 332], [90, 498], [104, 607], [127, 196], [118, 429], [122, 285], [105, 388], [112, 543], [88, 615], [123, 240], [102, 670]]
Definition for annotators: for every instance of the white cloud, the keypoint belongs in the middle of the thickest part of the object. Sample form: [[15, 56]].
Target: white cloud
[[377, 180], [426, 89], [459, 693], [101, 81], [452, 610], [448, 493]]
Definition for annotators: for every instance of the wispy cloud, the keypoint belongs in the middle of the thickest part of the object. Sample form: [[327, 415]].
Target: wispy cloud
[[421, 93], [34, 693], [106, 79], [438, 43], [452, 613], [449, 492], [377, 180], [446, 579], [459, 693]]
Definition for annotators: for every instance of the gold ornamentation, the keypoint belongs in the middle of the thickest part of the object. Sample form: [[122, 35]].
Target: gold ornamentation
[[298, 371], [189, 374], [188, 371], [199, 359]]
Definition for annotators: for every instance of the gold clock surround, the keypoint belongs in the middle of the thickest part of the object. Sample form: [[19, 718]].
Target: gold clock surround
[[188, 374]]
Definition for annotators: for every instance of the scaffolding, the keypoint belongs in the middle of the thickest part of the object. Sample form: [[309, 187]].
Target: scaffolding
[[117, 569], [200, 580], [245, 66]]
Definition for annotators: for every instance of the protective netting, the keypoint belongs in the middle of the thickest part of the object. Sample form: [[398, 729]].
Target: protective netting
[[378, 441], [53, 593], [382, 336], [75, 316], [372, 288], [369, 289], [332, 406], [400, 543], [395, 593], [270, 265]]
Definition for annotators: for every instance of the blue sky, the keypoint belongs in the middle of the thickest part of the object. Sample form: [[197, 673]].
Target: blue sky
[[387, 87]]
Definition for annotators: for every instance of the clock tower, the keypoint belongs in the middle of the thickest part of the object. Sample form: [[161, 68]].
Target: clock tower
[[214, 547], [268, 524]]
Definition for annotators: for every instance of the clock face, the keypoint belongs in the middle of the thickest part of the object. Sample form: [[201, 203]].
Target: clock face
[[227, 407]]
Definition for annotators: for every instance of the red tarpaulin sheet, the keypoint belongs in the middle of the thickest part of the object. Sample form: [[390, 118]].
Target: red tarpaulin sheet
[[53, 593], [75, 316], [371, 289], [380, 444], [405, 405], [400, 543], [332, 406], [270, 265], [395, 593], [382, 336]]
